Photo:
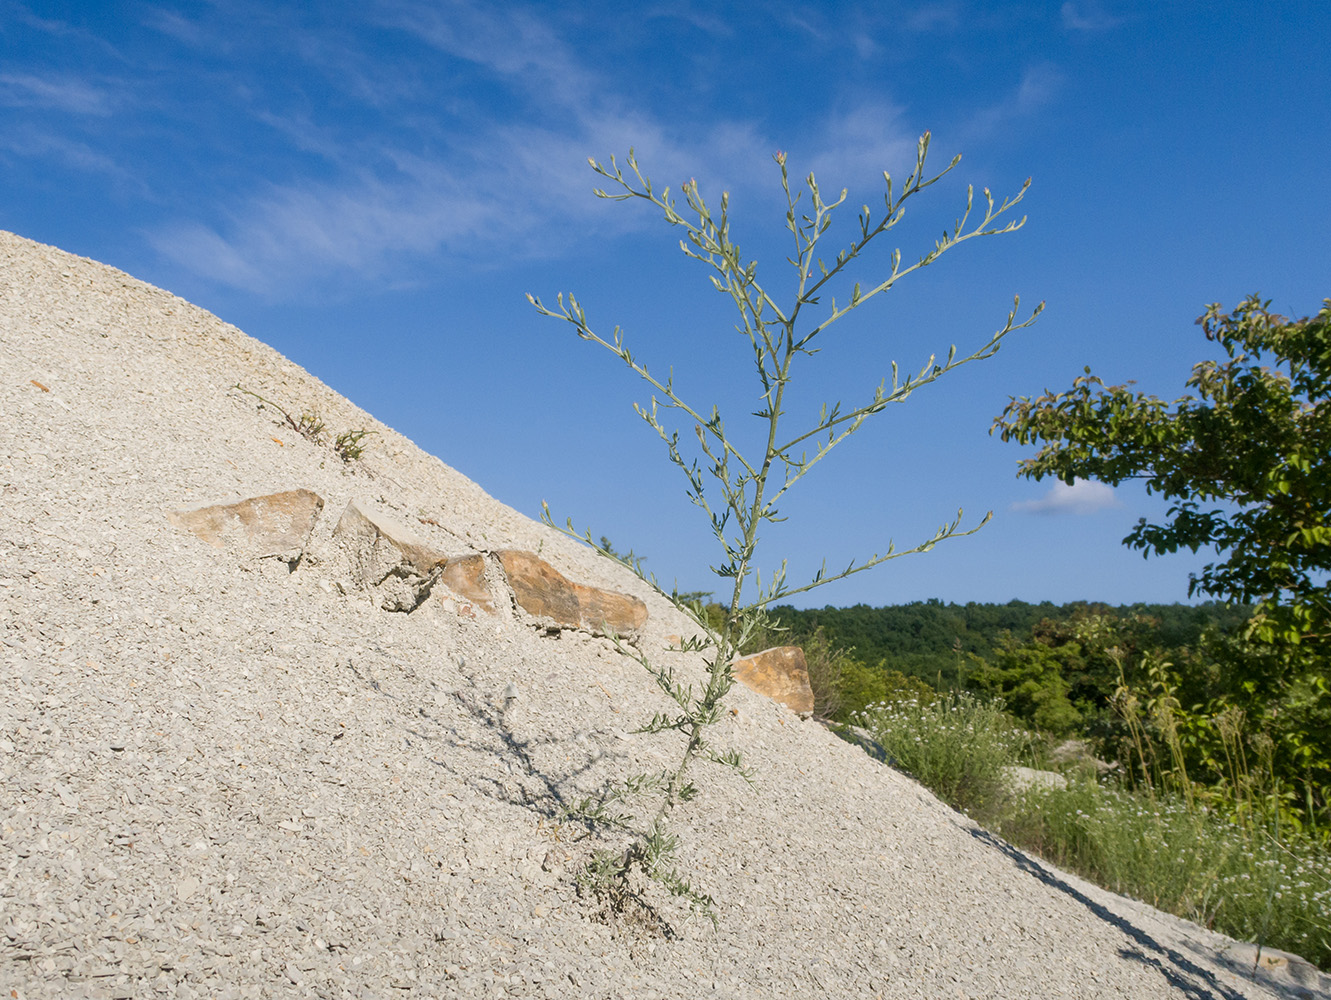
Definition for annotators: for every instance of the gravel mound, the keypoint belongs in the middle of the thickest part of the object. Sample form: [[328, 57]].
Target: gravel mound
[[223, 777]]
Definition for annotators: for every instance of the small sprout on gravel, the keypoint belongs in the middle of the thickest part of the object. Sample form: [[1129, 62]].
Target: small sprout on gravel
[[348, 444], [309, 425]]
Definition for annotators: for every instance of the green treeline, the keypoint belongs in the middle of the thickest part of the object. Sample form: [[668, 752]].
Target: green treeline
[[1172, 695], [926, 639]]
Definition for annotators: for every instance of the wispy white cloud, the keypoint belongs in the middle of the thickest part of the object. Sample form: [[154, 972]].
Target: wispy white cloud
[[1038, 87], [290, 236], [175, 25], [36, 143], [68, 93], [933, 17], [1087, 15], [855, 147], [504, 188], [433, 178], [508, 40], [700, 17], [1082, 497], [23, 14]]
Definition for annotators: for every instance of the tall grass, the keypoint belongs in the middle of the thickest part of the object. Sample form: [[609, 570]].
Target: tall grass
[[956, 745], [1249, 879], [1249, 883]]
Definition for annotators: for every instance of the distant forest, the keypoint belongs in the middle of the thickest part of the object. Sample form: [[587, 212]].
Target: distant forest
[[927, 639]]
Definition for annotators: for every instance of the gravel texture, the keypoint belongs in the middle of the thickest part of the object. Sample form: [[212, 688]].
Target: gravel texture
[[223, 778]]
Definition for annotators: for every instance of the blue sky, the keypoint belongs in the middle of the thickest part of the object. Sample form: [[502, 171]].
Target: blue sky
[[373, 187]]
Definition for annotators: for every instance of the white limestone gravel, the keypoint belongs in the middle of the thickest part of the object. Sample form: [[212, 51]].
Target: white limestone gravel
[[222, 779]]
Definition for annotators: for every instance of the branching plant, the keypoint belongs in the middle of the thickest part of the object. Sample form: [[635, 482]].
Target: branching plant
[[348, 444], [738, 490]]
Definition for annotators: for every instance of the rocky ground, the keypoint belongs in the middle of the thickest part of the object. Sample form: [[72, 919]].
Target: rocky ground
[[237, 771]]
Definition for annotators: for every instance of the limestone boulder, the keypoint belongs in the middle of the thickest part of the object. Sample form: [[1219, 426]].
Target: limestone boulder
[[543, 592], [1018, 779], [781, 674], [274, 526], [387, 559], [1076, 755]]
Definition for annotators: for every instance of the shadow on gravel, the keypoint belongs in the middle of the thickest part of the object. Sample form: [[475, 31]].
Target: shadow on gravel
[[550, 802], [552, 797], [544, 793], [1182, 973]]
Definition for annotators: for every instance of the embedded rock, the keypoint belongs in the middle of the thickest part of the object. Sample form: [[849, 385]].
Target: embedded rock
[[1021, 778], [543, 592], [465, 576], [1077, 753], [387, 559], [781, 674], [275, 526]]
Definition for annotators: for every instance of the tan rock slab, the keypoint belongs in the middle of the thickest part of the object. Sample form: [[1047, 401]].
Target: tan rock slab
[[465, 576], [781, 674], [386, 558], [276, 525], [543, 592]]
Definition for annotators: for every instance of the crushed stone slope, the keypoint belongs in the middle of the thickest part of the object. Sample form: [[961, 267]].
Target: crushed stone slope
[[221, 778]]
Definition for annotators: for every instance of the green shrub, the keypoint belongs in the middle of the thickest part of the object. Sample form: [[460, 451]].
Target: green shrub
[[1253, 884], [861, 686], [955, 745]]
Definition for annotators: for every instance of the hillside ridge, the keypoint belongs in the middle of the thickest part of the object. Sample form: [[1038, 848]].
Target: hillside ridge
[[228, 775]]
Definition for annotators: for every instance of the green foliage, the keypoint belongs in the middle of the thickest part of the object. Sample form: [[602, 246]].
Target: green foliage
[[1252, 883], [1215, 808], [1246, 463], [921, 639], [1161, 712], [1246, 872], [862, 686], [1067, 672], [309, 425], [738, 489], [348, 444], [958, 746], [826, 664], [1029, 678], [1290, 704]]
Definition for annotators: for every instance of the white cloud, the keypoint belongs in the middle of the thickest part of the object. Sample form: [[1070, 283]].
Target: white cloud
[[857, 146], [1087, 15], [390, 201], [1082, 497], [177, 26], [1038, 87], [512, 43], [37, 143], [68, 94], [292, 235]]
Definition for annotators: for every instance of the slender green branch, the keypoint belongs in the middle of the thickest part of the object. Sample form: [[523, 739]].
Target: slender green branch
[[744, 494]]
